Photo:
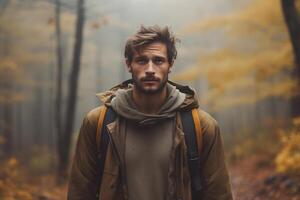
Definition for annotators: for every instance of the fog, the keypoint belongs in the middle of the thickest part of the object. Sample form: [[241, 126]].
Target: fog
[[239, 57]]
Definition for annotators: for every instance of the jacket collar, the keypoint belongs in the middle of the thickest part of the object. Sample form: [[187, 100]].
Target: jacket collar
[[190, 102]]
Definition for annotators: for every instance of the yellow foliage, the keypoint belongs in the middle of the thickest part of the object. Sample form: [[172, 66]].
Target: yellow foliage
[[298, 5], [244, 79], [288, 159], [23, 195], [245, 93], [296, 121], [261, 143], [17, 184], [255, 64], [242, 150], [12, 162], [256, 17], [8, 173], [191, 73], [225, 65]]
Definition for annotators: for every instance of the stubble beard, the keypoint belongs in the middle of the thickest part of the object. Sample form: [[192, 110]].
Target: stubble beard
[[138, 85]]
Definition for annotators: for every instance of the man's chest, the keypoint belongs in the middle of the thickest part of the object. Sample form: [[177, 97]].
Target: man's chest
[[149, 145]]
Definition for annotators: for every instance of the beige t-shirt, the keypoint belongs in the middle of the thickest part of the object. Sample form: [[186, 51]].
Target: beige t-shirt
[[147, 157]]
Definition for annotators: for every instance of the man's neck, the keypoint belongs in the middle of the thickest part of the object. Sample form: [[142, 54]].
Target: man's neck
[[149, 103]]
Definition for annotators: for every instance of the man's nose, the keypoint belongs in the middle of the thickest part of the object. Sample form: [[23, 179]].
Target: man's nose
[[150, 68]]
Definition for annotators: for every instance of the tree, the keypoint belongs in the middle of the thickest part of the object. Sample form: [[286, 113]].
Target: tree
[[3, 5], [7, 70], [292, 19], [58, 107], [64, 140], [255, 52]]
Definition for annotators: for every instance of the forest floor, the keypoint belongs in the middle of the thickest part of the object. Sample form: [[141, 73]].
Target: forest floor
[[252, 179]]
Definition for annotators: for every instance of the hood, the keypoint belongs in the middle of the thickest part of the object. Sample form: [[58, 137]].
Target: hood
[[180, 98]]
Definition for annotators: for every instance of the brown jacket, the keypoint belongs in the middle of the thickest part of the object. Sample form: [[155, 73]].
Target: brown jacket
[[83, 184]]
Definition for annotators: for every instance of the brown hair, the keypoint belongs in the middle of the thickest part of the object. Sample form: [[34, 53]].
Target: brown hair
[[148, 35]]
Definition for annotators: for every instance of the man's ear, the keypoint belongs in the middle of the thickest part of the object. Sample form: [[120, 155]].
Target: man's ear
[[128, 64], [171, 65]]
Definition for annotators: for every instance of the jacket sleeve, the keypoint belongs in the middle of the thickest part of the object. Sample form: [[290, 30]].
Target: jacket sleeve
[[84, 176], [214, 173]]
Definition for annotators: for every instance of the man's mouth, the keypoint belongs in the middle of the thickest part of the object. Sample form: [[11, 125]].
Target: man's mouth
[[149, 79]]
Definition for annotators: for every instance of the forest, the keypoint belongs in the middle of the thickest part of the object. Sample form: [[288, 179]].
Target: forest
[[242, 57]]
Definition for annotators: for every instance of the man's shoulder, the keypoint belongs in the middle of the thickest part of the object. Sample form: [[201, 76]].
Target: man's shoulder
[[93, 115], [208, 124], [206, 119]]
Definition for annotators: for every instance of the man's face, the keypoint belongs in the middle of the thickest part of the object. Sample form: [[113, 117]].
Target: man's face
[[150, 68]]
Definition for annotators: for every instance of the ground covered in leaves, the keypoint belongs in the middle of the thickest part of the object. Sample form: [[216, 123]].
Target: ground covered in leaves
[[16, 183], [252, 179], [255, 178]]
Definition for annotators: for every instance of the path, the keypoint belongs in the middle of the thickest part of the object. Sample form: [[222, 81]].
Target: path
[[254, 179]]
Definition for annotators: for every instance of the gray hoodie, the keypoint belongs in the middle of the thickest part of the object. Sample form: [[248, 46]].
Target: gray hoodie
[[148, 145]]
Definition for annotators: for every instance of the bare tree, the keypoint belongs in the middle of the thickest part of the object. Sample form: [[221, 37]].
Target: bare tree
[[64, 140], [58, 107], [292, 20], [3, 5], [7, 130]]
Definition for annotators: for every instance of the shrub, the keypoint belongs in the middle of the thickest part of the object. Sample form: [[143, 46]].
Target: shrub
[[288, 159]]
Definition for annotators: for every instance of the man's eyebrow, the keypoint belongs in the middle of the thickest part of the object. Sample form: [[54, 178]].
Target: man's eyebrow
[[140, 56], [158, 56]]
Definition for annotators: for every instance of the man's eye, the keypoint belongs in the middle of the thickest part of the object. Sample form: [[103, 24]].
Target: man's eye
[[158, 61], [141, 61]]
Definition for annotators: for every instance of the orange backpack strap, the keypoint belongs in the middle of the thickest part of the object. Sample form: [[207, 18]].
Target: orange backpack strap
[[199, 138], [103, 110], [193, 140], [107, 115]]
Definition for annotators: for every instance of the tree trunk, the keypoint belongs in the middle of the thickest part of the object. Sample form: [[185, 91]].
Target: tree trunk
[[292, 20], [37, 115], [7, 146], [65, 139], [58, 102], [19, 128], [3, 6]]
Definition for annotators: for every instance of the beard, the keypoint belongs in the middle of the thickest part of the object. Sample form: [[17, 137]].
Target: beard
[[139, 85]]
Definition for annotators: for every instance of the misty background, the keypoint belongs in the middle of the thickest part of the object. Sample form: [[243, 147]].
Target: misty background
[[241, 57]]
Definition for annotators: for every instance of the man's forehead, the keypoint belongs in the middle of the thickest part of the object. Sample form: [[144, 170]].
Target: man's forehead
[[156, 48]]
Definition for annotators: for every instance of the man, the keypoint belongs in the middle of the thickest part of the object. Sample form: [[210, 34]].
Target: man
[[146, 156]]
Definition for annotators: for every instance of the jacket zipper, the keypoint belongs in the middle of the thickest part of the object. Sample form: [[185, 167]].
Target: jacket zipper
[[121, 166]]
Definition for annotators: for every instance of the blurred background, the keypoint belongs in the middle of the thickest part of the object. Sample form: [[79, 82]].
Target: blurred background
[[241, 56]]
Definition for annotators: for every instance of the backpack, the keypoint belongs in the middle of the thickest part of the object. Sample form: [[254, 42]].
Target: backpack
[[193, 139]]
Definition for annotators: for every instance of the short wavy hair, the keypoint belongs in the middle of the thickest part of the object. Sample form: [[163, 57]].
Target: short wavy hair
[[147, 35]]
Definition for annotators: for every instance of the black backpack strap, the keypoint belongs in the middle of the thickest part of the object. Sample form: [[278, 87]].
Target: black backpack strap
[[107, 116], [190, 131]]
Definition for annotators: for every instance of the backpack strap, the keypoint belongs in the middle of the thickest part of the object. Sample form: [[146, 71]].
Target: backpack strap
[[193, 139], [103, 110], [107, 115], [199, 139]]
